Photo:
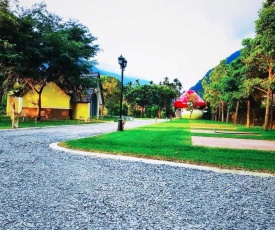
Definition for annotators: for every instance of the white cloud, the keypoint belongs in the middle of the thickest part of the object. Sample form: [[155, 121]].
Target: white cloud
[[159, 38]]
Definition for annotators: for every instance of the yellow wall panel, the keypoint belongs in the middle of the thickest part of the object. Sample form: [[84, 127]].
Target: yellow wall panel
[[54, 97], [30, 99], [81, 110]]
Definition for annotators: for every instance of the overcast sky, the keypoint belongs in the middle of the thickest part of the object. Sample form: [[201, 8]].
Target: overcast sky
[[162, 38]]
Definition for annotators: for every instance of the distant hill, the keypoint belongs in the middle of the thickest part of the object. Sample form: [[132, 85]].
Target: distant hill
[[126, 78], [198, 86]]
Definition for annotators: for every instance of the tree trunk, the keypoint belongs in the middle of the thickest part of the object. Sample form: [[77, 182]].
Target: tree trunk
[[39, 92], [39, 106], [1, 96], [191, 111], [254, 117], [220, 112], [227, 115], [267, 107], [237, 112], [248, 114], [159, 113], [271, 111], [222, 108]]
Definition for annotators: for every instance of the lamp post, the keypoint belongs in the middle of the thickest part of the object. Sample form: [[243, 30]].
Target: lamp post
[[123, 63]]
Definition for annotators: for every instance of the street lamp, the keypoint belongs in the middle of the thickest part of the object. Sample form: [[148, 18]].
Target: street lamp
[[123, 63]]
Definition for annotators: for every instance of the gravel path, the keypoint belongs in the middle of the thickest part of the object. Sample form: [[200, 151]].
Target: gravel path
[[41, 188]]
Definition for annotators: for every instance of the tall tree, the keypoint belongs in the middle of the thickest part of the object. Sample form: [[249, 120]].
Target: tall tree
[[8, 55], [175, 86], [233, 92], [53, 50], [214, 90], [142, 95], [111, 93], [163, 97], [261, 53]]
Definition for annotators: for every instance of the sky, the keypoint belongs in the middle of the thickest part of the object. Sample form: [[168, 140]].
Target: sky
[[162, 38]]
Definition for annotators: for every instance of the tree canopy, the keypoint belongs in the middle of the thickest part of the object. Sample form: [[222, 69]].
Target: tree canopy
[[249, 75], [42, 47]]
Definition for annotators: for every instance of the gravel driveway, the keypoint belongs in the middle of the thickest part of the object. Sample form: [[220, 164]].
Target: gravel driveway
[[41, 188]]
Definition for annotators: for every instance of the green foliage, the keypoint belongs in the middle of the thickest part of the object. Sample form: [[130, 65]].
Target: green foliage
[[259, 53], [111, 94], [42, 47], [3, 105], [150, 96], [152, 112], [249, 78], [215, 87]]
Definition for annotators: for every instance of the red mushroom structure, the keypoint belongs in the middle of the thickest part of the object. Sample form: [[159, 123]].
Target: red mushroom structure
[[189, 105]]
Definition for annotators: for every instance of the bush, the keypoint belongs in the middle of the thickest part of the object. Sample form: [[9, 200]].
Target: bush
[[152, 112], [3, 105]]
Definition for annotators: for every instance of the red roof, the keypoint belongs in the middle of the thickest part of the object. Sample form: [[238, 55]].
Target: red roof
[[190, 95]]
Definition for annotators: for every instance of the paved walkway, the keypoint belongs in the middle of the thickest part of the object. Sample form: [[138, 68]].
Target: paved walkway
[[233, 143], [42, 188]]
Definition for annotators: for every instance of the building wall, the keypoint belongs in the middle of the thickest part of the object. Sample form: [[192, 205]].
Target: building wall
[[48, 113], [52, 97], [18, 104], [80, 110], [8, 109], [55, 104]]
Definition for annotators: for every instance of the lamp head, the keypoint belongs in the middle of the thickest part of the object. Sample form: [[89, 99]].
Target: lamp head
[[122, 62]]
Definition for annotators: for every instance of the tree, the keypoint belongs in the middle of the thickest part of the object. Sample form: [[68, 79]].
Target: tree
[[176, 87], [8, 55], [162, 97], [111, 93], [210, 95], [53, 50], [192, 102], [261, 53], [176, 84], [141, 95], [214, 89], [234, 91]]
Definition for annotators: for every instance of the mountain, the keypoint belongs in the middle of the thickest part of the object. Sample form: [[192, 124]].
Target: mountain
[[126, 78], [198, 86]]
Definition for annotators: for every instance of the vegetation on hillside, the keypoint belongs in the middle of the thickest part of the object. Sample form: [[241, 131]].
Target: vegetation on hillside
[[248, 81]]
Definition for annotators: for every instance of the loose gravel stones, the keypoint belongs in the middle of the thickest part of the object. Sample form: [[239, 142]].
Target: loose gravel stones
[[41, 188]]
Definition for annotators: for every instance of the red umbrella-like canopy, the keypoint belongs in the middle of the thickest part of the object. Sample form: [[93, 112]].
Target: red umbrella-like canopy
[[189, 96]]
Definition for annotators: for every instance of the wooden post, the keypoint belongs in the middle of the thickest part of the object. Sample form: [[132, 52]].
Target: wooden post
[[14, 116]]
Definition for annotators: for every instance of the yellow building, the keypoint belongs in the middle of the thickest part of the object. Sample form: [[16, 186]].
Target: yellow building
[[57, 104]]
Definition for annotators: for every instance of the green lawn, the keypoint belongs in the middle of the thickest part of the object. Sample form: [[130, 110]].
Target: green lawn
[[172, 141], [259, 133], [5, 122]]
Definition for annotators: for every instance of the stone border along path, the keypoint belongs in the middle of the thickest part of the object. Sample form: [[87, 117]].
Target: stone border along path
[[42, 188]]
